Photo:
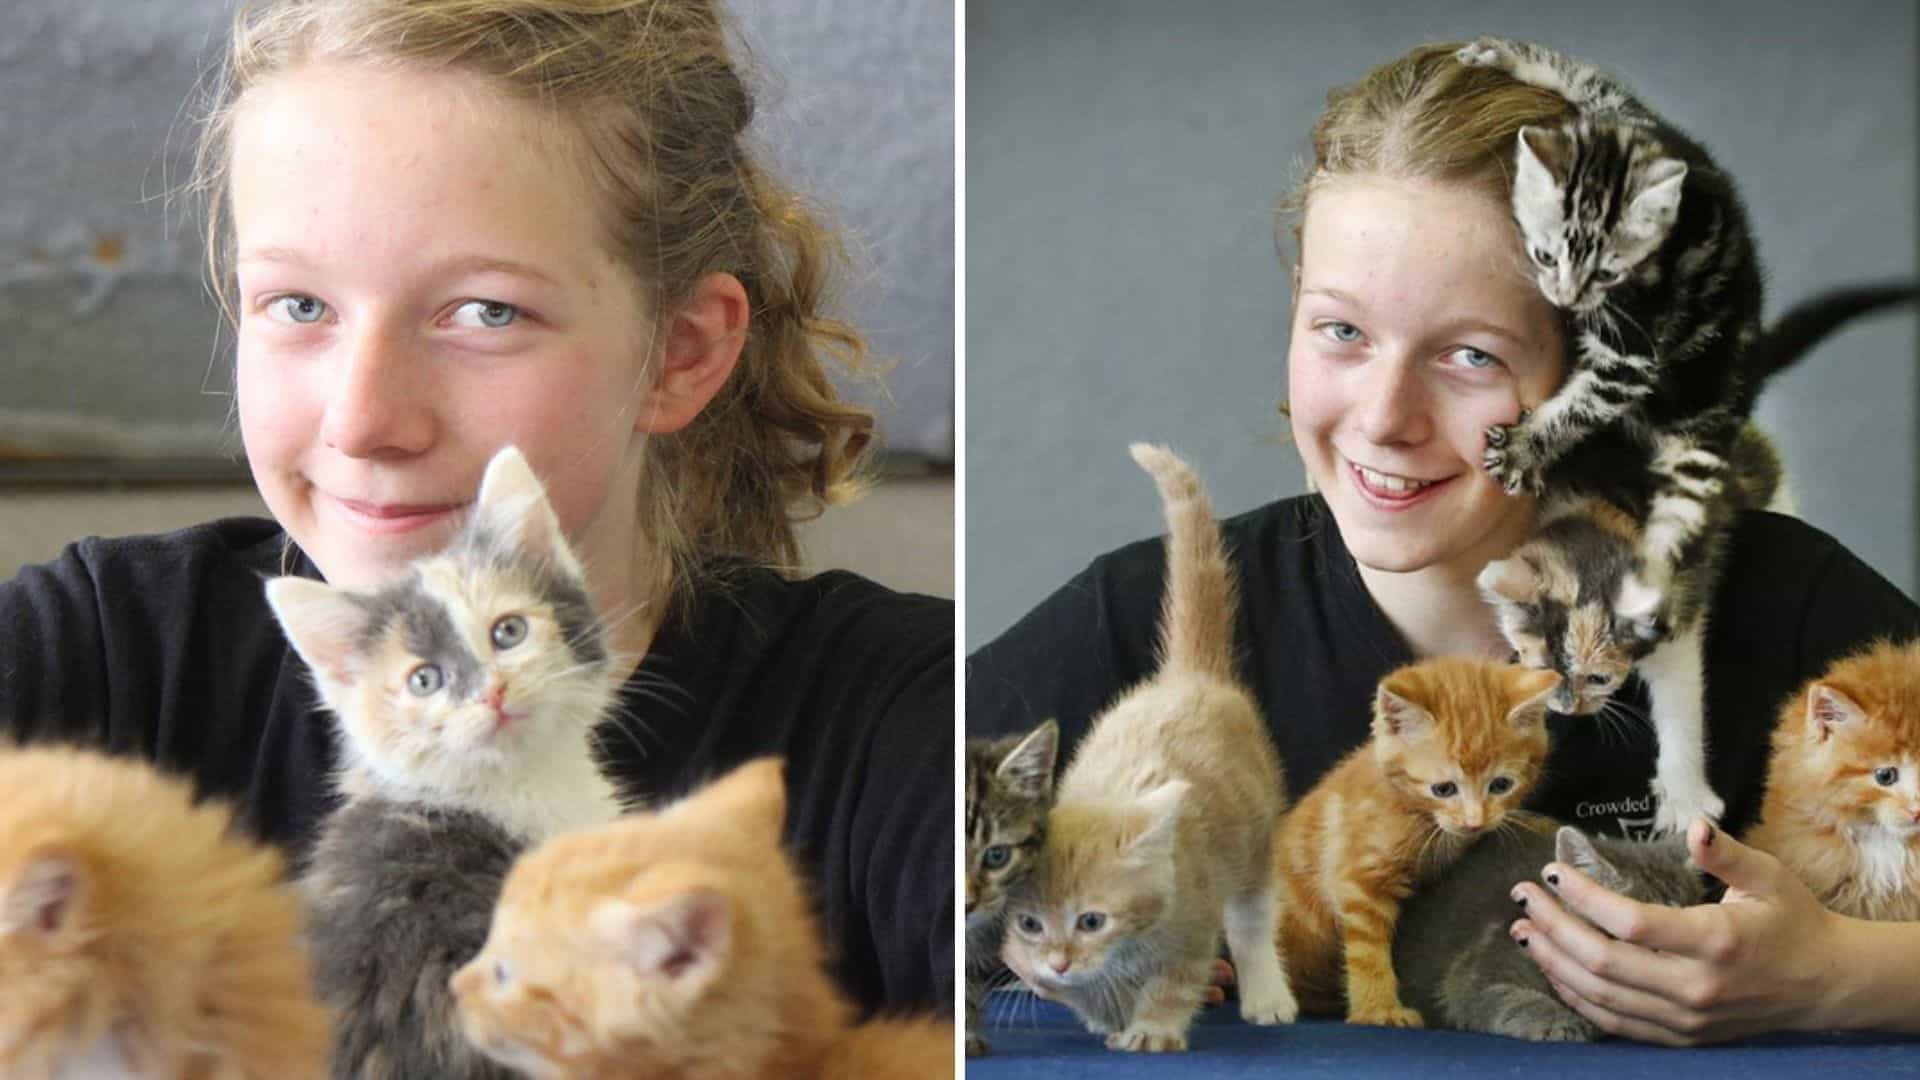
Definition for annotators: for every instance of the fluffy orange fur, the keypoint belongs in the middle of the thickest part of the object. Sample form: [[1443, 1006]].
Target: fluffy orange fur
[[1842, 808], [676, 945], [1382, 821], [139, 931]]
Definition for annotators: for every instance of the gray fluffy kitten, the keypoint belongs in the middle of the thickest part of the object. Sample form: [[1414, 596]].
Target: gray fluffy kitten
[[466, 693], [1457, 965], [1009, 789]]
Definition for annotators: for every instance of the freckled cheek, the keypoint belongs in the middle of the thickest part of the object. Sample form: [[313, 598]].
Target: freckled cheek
[[1315, 401], [278, 414]]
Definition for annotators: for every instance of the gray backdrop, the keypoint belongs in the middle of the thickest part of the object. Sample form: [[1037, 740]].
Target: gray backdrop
[[1122, 161], [108, 339]]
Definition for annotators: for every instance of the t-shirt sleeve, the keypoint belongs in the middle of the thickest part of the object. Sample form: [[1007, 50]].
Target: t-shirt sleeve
[[53, 682], [1074, 653], [1848, 607]]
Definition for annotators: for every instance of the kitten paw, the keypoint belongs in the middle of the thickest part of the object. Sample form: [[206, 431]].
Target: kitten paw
[[1482, 52], [1509, 459], [1268, 1009], [1395, 1015], [1678, 806], [1135, 1041], [976, 1044]]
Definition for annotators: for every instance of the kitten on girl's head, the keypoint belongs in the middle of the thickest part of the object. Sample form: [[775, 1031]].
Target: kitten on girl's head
[[1457, 743], [140, 934], [475, 680], [678, 943], [1842, 808], [1009, 789]]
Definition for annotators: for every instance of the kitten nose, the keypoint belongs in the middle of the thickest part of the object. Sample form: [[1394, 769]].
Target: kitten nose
[[1059, 964]]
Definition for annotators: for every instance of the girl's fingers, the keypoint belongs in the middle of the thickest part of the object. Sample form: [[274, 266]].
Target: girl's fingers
[[1614, 1023], [1652, 926], [1627, 1002]]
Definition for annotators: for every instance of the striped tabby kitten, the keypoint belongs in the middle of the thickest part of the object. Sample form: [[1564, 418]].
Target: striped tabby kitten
[[1459, 969], [1162, 831], [1458, 742], [1009, 789], [1842, 808], [466, 695]]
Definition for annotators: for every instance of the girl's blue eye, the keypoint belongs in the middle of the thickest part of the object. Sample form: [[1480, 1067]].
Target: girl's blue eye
[[1474, 358], [298, 309], [1346, 333], [488, 313]]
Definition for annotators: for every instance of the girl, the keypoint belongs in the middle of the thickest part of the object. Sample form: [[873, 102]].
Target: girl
[[1414, 326], [445, 226]]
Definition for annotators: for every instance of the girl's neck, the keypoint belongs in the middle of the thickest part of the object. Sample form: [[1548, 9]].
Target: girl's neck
[[1438, 611]]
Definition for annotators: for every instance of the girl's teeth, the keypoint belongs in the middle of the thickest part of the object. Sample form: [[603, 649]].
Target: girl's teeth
[[1399, 485]]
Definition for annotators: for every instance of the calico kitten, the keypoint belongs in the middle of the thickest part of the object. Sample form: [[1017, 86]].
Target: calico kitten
[[1162, 831], [1457, 743], [1842, 808], [466, 695], [1460, 970], [140, 934], [677, 944], [1009, 788]]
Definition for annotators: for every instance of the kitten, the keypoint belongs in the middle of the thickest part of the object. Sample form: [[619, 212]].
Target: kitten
[[1163, 826], [1571, 600], [1457, 743], [1842, 808], [1459, 968], [466, 694], [1009, 788], [140, 934], [680, 945]]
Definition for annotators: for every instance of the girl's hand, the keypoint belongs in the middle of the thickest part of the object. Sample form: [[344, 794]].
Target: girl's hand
[[1763, 959]]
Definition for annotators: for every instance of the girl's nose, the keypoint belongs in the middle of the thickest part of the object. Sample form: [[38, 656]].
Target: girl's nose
[[377, 406], [1392, 408]]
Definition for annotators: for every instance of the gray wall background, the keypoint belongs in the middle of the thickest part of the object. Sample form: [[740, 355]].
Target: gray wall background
[[1123, 158], [101, 298]]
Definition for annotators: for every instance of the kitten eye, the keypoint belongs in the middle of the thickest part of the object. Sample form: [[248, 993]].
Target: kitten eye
[[502, 974], [426, 680], [997, 856], [1029, 925], [297, 309], [1500, 785], [1886, 776], [488, 313], [1609, 276], [1542, 256], [1090, 922], [1445, 789], [509, 631], [1599, 680]]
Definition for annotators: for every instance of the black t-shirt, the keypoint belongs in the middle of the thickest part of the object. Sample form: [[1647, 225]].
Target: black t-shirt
[[163, 648], [1313, 645]]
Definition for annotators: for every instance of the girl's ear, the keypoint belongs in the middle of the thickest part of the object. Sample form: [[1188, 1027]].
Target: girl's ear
[[703, 343]]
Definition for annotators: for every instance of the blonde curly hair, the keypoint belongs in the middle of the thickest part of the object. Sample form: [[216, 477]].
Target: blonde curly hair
[[659, 104]]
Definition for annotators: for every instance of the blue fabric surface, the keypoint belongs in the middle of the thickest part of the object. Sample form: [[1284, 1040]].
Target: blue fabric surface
[[1032, 1038]]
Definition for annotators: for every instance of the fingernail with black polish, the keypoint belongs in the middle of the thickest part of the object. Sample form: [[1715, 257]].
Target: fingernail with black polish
[[1553, 879], [1522, 942]]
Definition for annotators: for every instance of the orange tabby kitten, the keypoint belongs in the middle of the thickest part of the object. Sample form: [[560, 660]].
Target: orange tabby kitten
[[1843, 789], [139, 936], [1162, 833], [676, 945], [1457, 743]]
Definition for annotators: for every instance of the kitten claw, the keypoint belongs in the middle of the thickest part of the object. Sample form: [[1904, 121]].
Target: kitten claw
[[1673, 811], [1394, 1016], [1281, 1008], [1147, 1042]]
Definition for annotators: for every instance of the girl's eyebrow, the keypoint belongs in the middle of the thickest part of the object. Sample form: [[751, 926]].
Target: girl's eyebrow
[[452, 266]]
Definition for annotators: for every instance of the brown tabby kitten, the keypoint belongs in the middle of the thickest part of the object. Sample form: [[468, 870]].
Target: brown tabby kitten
[[1163, 829], [676, 944], [139, 934], [1457, 743], [1842, 808], [1009, 789]]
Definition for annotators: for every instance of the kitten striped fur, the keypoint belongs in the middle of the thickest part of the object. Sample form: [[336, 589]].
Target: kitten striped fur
[[1009, 790]]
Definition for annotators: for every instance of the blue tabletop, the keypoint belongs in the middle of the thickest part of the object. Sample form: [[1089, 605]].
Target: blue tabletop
[[1032, 1038]]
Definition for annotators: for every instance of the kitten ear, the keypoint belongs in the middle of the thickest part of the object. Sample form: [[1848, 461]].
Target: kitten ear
[[1397, 716], [513, 502], [322, 623], [1541, 160], [1162, 806], [683, 940], [1028, 767], [1574, 848], [753, 796], [1528, 690], [1510, 580], [43, 895], [1828, 708], [1657, 204]]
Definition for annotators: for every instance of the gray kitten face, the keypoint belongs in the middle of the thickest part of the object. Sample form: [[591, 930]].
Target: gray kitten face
[[1593, 201], [1650, 871], [1009, 789]]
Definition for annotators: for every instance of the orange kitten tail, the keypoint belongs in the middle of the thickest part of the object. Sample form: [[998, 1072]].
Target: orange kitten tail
[[1197, 617], [910, 1048]]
